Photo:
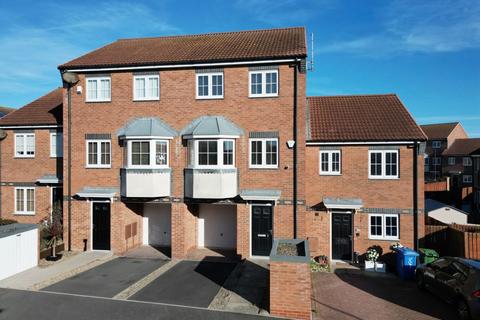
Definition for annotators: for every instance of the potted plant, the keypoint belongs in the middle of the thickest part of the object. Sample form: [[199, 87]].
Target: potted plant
[[371, 257], [54, 230]]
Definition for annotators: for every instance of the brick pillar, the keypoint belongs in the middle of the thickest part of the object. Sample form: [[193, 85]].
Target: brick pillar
[[290, 290], [243, 230], [184, 231]]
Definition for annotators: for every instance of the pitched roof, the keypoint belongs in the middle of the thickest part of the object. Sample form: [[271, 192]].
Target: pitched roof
[[46, 110], [379, 117], [210, 47], [438, 130], [5, 110], [463, 147]]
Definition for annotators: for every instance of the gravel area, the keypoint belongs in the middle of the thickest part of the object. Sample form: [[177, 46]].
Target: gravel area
[[287, 249]]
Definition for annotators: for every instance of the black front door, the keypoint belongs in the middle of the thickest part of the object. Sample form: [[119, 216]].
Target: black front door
[[101, 226], [342, 236], [262, 235]]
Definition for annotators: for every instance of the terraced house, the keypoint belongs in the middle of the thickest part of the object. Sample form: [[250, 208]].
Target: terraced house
[[210, 141], [187, 142]]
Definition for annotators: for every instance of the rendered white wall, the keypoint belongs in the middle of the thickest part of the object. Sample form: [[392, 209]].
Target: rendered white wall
[[19, 253]]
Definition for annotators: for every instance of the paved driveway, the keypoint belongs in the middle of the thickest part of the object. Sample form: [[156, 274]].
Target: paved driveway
[[26, 305], [189, 283], [108, 279], [355, 296]]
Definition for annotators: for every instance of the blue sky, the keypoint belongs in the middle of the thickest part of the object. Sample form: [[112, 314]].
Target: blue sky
[[428, 52]]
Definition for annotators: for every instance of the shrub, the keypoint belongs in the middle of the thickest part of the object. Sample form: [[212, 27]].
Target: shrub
[[4, 222]]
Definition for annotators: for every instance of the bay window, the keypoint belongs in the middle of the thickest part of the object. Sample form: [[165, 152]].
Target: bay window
[[211, 153], [147, 154]]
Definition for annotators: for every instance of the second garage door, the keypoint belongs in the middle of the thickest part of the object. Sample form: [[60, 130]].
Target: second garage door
[[157, 224], [217, 226]]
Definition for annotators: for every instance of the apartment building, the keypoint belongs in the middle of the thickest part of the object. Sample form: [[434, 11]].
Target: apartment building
[[440, 137], [31, 159], [476, 185], [187, 142], [364, 175]]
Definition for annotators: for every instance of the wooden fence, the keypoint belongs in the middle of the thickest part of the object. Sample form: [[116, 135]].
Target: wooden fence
[[453, 240]]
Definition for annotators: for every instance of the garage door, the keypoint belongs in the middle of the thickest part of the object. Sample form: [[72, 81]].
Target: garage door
[[157, 224], [217, 226]]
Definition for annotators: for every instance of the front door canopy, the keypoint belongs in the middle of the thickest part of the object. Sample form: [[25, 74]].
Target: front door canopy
[[260, 194], [343, 203]]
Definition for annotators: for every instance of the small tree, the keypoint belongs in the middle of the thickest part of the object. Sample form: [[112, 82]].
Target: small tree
[[54, 228]]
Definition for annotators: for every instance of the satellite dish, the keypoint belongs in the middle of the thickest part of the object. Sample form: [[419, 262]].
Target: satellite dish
[[70, 77], [3, 134]]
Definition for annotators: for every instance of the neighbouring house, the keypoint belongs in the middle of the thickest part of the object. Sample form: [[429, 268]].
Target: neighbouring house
[[31, 159], [445, 213], [476, 185], [364, 175], [184, 142], [5, 110], [440, 137]]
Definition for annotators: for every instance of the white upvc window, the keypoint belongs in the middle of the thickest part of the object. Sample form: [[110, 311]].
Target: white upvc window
[[467, 178], [146, 87], [451, 161], [212, 153], [263, 153], [99, 153], [263, 83], [24, 145], [209, 85], [330, 162], [25, 200], [148, 154], [383, 164], [98, 89], [56, 144], [436, 144], [437, 161], [383, 226], [467, 162]]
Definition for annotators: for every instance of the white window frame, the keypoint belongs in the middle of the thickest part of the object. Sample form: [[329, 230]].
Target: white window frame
[[99, 154], [264, 83], [436, 144], [452, 161], [56, 152], [24, 137], [146, 78], [210, 85], [383, 176], [24, 212], [467, 178], [98, 80], [330, 171], [384, 227], [264, 154], [437, 161], [152, 154], [220, 163], [467, 162]]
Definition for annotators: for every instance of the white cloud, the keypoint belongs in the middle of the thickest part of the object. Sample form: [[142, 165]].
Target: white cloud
[[418, 27]]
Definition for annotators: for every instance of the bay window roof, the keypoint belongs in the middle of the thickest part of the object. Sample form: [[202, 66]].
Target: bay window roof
[[211, 126], [146, 127]]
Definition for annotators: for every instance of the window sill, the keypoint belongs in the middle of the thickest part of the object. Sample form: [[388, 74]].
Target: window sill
[[98, 101], [98, 167], [384, 239], [263, 96], [329, 174], [146, 100], [383, 178], [24, 157], [24, 213], [263, 168], [209, 98]]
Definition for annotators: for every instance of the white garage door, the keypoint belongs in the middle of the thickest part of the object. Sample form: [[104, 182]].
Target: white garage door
[[217, 226], [157, 224]]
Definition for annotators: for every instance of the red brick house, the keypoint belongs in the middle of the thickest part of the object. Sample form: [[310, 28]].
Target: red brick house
[[31, 159], [184, 142], [360, 174]]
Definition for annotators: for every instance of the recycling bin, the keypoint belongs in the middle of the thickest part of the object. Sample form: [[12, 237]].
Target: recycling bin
[[406, 262], [428, 255]]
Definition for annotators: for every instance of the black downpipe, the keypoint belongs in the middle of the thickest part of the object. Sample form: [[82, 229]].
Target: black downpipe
[[415, 195], [295, 98], [69, 166]]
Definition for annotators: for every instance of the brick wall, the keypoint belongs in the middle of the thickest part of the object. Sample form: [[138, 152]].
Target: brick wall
[[184, 229], [290, 290]]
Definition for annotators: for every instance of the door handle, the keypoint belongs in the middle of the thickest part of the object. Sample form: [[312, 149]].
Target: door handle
[[261, 235]]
